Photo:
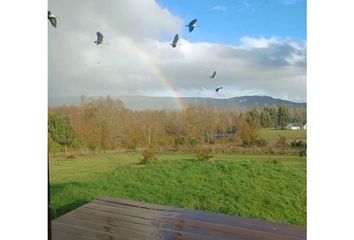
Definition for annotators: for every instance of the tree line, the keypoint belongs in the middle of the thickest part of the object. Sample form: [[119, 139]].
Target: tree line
[[105, 124]]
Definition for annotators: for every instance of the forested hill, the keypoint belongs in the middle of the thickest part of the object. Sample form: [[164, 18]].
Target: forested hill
[[159, 103]]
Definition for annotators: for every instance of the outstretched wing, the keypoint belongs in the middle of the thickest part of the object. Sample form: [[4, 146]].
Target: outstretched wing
[[192, 22], [214, 74], [53, 21], [191, 25], [175, 40], [99, 37]]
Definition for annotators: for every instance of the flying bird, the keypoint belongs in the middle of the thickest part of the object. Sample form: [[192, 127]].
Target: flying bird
[[175, 40], [213, 75], [217, 90], [53, 19], [99, 39], [192, 25]]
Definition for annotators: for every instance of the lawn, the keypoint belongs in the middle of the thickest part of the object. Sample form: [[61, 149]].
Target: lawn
[[273, 134], [264, 186]]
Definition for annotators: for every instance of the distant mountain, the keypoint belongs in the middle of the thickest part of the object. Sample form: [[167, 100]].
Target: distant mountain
[[160, 103]]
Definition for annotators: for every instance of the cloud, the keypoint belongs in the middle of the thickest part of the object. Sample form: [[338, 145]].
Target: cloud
[[261, 42], [219, 8], [140, 61]]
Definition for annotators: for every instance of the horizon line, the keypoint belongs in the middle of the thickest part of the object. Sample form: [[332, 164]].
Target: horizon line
[[117, 96]]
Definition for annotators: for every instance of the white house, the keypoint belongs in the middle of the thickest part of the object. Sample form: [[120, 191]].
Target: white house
[[293, 126]]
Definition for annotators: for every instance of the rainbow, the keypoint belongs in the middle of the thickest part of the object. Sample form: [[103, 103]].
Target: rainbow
[[149, 62]]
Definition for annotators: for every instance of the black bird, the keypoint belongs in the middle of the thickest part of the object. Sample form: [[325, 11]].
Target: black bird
[[175, 40], [192, 25], [53, 19], [99, 39], [213, 75], [217, 90]]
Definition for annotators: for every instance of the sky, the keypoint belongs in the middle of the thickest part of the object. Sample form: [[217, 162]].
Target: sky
[[257, 47]]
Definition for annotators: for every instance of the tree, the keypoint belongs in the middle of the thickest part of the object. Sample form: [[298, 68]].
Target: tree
[[59, 130], [273, 115], [101, 122], [266, 120], [269, 117], [252, 117], [283, 116], [248, 133]]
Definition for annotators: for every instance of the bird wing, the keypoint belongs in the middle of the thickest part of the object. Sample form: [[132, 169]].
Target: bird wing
[[191, 27], [99, 37], [53, 21], [175, 39], [192, 22]]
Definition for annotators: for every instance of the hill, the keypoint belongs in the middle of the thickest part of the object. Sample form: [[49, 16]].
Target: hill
[[159, 103]]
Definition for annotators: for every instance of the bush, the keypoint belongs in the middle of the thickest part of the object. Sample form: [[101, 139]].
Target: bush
[[92, 147], [301, 146], [180, 141], [78, 143], [60, 130], [303, 152], [71, 156], [148, 156], [260, 142], [281, 143], [193, 142], [53, 146], [249, 134], [203, 153], [298, 144]]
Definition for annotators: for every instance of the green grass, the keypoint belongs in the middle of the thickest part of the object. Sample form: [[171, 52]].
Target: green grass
[[265, 187], [273, 134]]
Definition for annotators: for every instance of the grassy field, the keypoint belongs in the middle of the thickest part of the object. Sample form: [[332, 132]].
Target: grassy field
[[273, 134], [265, 187]]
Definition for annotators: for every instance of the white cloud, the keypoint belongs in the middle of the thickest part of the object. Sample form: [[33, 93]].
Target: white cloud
[[251, 42], [219, 8], [139, 62]]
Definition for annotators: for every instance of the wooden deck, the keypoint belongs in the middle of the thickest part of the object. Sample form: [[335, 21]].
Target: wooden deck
[[108, 218]]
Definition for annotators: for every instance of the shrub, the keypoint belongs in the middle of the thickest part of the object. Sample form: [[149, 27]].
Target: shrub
[[53, 146], [193, 142], [249, 134], [298, 144], [281, 143], [148, 156], [301, 146], [260, 142], [166, 140], [60, 130], [180, 141], [71, 156], [302, 152], [203, 153], [77, 143], [92, 147]]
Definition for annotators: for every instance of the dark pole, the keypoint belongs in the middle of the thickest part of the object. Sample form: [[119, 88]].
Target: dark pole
[[49, 210]]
